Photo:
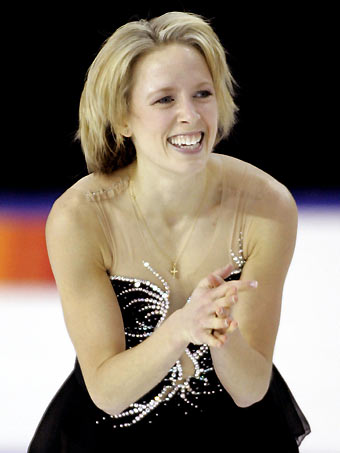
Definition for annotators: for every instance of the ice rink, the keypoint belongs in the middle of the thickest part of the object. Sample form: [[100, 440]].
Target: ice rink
[[37, 355]]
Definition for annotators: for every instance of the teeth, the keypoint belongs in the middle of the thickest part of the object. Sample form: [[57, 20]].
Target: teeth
[[185, 140]]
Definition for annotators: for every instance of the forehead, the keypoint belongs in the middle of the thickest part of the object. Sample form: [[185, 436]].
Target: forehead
[[173, 64]]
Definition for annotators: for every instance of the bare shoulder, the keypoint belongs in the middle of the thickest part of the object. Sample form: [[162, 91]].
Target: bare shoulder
[[73, 227], [273, 218], [71, 210], [77, 206], [267, 196], [274, 201], [267, 207]]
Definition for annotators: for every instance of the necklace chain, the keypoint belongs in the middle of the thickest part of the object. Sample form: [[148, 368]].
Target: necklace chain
[[174, 263]]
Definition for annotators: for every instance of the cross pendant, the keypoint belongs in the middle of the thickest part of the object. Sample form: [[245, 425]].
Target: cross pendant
[[174, 270]]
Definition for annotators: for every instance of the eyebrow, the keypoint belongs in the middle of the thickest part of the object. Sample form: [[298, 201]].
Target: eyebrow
[[159, 91]]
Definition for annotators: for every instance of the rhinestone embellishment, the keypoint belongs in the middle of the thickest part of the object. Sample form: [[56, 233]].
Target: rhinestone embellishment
[[144, 307], [238, 257]]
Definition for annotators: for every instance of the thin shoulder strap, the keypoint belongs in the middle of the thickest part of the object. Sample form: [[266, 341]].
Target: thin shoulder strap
[[100, 202]]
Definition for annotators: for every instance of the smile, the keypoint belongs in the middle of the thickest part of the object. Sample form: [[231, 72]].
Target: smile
[[187, 142]]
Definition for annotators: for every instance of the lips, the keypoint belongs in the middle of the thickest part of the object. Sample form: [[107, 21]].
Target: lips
[[187, 142]]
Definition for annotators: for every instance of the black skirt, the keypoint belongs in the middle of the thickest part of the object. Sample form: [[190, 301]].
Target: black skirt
[[73, 424]]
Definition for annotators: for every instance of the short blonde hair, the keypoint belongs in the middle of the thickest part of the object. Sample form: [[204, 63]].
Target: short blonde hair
[[104, 101]]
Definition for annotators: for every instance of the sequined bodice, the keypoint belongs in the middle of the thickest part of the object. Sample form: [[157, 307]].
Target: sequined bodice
[[189, 407], [144, 306]]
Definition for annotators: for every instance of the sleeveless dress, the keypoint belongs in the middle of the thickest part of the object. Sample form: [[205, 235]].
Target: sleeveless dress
[[195, 412]]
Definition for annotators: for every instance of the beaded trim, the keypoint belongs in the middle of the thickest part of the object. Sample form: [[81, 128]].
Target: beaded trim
[[150, 312], [103, 194], [238, 257]]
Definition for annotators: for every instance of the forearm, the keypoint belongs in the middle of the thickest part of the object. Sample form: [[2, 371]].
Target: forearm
[[126, 377], [242, 371]]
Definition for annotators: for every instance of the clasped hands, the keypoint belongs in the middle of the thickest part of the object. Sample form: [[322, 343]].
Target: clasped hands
[[210, 312]]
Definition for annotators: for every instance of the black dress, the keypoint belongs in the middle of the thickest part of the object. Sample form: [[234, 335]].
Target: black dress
[[197, 412]]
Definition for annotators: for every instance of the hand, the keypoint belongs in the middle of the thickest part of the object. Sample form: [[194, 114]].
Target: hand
[[208, 317], [225, 312]]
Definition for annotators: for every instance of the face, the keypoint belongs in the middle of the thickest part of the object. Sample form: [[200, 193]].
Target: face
[[173, 112]]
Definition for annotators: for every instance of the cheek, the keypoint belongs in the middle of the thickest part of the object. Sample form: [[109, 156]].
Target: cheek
[[148, 130], [211, 118], [153, 123], [210, 112]]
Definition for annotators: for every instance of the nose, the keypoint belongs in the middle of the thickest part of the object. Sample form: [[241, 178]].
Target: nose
[[187, 110]]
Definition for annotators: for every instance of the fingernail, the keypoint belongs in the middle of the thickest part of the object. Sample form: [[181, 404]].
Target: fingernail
[[254, 284], [234, 299]]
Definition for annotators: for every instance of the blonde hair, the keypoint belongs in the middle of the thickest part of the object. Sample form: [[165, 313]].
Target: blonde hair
[[104, 101]]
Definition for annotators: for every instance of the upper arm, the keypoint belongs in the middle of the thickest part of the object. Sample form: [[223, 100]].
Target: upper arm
[[269, 245], [90, 307]]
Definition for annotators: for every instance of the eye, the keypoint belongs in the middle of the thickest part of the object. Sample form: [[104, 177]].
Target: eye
[[165, 100], [203, 94]]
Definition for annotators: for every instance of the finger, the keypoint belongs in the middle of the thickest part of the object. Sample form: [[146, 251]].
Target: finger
[[214, 339], [222, 307], [231, 294], [232, 326], [217, 277], [222, 312], [227, 289], [224, 272], [219, 323], [242, 285], [221, 337], [214, 280]]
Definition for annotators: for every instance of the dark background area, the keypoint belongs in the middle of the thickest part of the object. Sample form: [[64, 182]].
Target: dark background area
[[282, 55]]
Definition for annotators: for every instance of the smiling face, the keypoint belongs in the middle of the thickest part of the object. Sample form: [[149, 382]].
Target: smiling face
[[173, 114]]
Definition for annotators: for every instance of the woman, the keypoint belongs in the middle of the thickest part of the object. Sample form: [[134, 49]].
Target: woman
[[170, 260]]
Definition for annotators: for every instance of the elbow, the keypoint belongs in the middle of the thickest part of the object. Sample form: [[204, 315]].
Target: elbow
[[109, 398], [106, 405], [247, 402], [248, 399], [106, 401], [243, 403]]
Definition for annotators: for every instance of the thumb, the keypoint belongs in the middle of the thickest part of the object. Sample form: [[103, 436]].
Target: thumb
[[213, 281], [216, 278]]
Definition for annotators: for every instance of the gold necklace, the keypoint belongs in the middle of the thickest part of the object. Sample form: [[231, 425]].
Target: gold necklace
[[173, 270]]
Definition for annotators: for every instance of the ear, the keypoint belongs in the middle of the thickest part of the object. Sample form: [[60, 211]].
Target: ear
[[125, 130]]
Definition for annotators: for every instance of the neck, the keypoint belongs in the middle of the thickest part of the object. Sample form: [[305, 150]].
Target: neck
[[173, 198]]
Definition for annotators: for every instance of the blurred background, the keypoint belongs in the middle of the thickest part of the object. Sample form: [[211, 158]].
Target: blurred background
[[283, 57]]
